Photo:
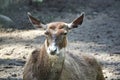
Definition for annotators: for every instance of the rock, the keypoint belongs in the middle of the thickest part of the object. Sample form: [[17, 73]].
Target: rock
[[24, 57], [14, 75], [6, 22]]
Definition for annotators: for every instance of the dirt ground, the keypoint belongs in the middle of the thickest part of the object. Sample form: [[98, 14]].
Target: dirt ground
[[99, 35]]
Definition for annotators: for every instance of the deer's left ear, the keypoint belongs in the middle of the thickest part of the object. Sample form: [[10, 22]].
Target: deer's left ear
[[35, 22], [76, 22]]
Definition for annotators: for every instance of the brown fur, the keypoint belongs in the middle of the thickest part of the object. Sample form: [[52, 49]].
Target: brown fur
[[40, 66], [43, 66], [81, 67], [56, 25]]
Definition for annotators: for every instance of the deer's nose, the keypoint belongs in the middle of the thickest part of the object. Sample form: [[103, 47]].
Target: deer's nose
[[53, 49], [53, 52]]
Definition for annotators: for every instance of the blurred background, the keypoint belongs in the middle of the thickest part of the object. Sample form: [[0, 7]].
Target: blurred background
[[13, 13], [99, 34]]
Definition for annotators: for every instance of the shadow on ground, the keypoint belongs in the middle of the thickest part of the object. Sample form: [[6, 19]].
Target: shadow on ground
[[11, 62], [9, 78]]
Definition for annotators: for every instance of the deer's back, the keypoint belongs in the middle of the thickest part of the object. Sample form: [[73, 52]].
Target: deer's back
[[81, 67]]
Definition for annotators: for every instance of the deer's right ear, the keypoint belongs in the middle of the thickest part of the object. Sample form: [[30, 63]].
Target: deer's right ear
[[35, 22], [76, 22]]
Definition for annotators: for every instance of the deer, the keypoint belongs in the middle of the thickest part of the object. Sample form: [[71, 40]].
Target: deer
[[53, 62]]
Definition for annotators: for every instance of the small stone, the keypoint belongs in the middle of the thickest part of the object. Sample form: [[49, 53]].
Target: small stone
[[24, 57], [14, 75], [106, 77], [98, 36], [111, 54]]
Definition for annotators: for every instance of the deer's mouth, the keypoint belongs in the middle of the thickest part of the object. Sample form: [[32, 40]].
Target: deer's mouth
[[53, 53], [53, 50]]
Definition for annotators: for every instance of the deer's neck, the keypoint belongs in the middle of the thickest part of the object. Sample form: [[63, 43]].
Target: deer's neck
[[55, 60], [51, 65]]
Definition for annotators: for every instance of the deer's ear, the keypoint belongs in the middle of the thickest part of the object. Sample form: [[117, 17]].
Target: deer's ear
[[35, 22], [76, 22]]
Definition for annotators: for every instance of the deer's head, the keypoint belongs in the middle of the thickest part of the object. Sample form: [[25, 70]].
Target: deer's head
[[56, 32]]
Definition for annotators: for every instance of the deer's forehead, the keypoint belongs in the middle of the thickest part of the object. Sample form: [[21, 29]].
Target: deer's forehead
[[56, 28], [56, 32], [56, 25]]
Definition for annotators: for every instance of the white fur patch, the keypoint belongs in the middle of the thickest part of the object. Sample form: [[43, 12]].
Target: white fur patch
[[59, 52]]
